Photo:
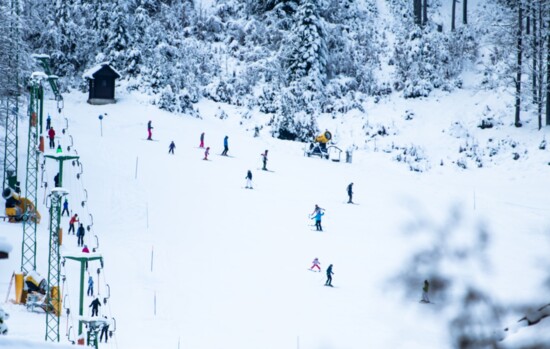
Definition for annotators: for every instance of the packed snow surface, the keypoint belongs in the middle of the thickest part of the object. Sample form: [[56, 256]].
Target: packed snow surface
[[194, 260]]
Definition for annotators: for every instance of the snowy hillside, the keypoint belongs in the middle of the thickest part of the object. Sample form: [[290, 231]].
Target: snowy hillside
[[193, 260]]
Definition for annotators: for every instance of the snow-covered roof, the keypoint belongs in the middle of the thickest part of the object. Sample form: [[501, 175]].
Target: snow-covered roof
[[89, 74], [40, 56], [39, 75]]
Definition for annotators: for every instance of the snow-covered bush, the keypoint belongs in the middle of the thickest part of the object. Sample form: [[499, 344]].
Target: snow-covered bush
[[413, 156], [299, 126], [3, 326]]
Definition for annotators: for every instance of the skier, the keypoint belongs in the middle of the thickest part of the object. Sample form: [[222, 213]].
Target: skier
[[316, 264], [80, 234], [206, 152], [225, 146], [149, 131], [48, 122], [95, 306], [171, 148], [104, 331], [316, 210], [56, 180], [65, 208], [350, 193], [90, 291], [317, 218], [202, 141], [329, 276], [425, 290], [264, 160], [85, 249], [72, 221], [249, 180], [59, 150], [51, 135]]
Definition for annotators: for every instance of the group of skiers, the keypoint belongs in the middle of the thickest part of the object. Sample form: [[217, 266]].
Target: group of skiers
[[172, 147], [316, 215]]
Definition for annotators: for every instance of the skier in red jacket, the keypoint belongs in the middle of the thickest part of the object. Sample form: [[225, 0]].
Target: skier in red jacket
[[51, 135]]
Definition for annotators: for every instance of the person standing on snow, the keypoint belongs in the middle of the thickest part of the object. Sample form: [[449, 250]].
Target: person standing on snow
[[225, 145], [80, 235], [316, 264], [51, 136], [206, 152], [329, 276], [171, 148], [350, 193], [90, 291], [317, 218], [264, 160], [72, 221], [56, 180], [201, 145], [95, 307], [425, 290], [316, 210], [65, 208], [150, 131], [104, 331], [249, 180], [48, 122]]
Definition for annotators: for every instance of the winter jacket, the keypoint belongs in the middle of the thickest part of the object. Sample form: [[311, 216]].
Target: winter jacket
[[249, 175], [329, 270], [80, 231], [225, 141], [66, 204], [95, 303], [318, 215], [73, 219], [350, 191], [51, 133]]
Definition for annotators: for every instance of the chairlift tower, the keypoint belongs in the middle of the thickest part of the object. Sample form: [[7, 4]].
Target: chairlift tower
[[9, 98], [84, 259], [36, 104], [54, 267], [34, 150]]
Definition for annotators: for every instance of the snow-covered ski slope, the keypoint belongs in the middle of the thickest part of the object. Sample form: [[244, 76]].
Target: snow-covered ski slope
[[193, 260]]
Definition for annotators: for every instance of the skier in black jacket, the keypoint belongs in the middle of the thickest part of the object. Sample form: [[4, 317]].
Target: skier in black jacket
[[95, 306], [329, 276], [350, 193]]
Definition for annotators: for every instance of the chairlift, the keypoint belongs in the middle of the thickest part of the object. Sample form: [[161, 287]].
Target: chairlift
[[89, 227], [108, 294], [70, 146], [81, 169], [60, 103], [69, 331], [83, 203]]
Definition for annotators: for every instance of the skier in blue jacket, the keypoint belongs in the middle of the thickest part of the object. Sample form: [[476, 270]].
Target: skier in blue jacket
[[317, 216], [225, 146]]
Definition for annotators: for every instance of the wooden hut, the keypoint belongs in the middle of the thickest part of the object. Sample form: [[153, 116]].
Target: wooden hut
[[101, 81]]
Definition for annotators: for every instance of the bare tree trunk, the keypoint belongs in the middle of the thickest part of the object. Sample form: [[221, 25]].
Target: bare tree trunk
[[517, 121], [465, 12], [532, 14], [425, 12], [417, 9], [453, 15], [540, 60], [548, 74]]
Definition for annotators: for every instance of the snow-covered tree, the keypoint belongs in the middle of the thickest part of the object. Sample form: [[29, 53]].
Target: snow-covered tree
[[307, 56]]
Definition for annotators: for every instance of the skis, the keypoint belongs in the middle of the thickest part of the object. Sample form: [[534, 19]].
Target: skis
[[150, 140], [261, 169]]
